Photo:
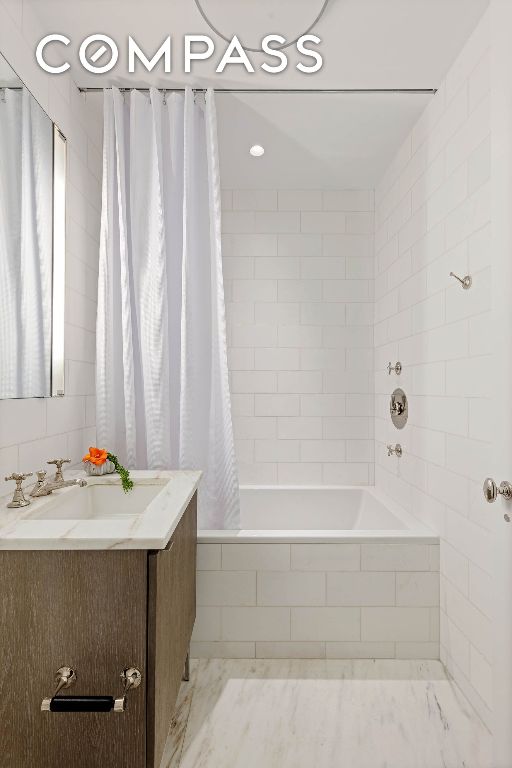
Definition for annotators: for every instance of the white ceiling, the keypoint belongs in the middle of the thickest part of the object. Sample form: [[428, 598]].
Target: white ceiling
[[366, 43], [311, 141]]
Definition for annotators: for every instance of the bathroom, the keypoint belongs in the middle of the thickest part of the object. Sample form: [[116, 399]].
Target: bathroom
[[277, 297]]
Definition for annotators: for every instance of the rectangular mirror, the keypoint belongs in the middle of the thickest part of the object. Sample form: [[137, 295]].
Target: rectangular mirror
[[32, 244]]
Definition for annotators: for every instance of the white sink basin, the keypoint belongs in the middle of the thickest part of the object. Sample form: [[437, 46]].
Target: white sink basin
[[100, 515], [98, 501]]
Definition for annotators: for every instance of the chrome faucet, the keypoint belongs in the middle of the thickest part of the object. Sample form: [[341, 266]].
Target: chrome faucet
[[44, 487]]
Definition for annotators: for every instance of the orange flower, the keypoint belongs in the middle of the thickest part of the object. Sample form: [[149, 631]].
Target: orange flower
[[96, 456]]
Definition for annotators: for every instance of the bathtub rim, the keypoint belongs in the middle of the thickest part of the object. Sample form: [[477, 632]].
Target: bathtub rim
[[415, 532]]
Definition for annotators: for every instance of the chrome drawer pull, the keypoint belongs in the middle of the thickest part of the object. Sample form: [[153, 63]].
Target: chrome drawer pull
[[66, 676]]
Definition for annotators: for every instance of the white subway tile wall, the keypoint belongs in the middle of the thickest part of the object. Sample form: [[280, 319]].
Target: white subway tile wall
[[317, 600], [298, 270], [432, 214], [35, 430]]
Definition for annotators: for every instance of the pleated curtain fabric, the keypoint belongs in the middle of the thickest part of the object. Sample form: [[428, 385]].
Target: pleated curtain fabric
[[163, 398]]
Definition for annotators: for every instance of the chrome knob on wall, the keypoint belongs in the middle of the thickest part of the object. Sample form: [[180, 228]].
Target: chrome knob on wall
[[395, 449], [397, 368], [492, 491]]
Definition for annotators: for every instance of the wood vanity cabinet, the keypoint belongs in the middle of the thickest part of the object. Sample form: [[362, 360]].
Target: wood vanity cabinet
[[98, 612]]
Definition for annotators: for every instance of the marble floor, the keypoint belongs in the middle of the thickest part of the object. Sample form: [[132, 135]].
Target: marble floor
[[323, 714]]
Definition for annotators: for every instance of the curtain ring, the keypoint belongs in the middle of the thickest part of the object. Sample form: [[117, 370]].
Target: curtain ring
[[165, 97], [2, 95]]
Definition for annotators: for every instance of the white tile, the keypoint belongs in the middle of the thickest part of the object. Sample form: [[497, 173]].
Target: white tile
[[318, 313], [208, 557], [322, 222], [417, 650], [254, 336], [254, 290], [276, 359], [277, 405], [222, 650], [249, 244], [300, 290], [290, 650], [255, 557], [253, 381], [279, 221], [291, 588], [348, 245], [277, 314], [347, 473], [226, 588], [299, 427], [394, 557], [323, 450], [276, 268], [254, 427], [417, 589], [328, 267], [395, 624], [299, 473], [360, 650], [323, 405], [301, 336], [207, 625], [277, 450], [325, 557], [325, 624], [254, 200], [255, 624], [299, 200], [348, 200], [21, 420], [299, 381], [300, 245], [361, 588]]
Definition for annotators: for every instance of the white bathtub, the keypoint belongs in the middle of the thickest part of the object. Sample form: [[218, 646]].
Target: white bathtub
[[318, 573], [333, 513]]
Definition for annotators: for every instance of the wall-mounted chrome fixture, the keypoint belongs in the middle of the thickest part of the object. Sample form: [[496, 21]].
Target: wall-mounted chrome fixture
[[399, 408], [395, 449], [492, 491], [397, 368], [466, 281]]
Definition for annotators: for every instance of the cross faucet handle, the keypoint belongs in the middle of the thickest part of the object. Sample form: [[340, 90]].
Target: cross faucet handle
[[18, 499], [18, 477], [58, 463]]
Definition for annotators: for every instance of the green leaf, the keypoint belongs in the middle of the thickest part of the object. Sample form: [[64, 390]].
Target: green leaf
[[126, 480]]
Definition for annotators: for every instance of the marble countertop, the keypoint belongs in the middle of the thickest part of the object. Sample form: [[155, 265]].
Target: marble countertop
[[48, 523]]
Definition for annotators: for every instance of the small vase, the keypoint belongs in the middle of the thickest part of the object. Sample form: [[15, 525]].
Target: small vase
[[107, 468]]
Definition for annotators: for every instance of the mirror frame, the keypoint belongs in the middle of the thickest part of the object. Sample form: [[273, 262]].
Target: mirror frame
[[59, 263]]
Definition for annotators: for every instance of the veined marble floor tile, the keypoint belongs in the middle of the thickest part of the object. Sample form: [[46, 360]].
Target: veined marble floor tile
[[324, 714]]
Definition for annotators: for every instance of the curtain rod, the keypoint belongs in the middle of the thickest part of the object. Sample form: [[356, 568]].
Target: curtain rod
[[423, 91]]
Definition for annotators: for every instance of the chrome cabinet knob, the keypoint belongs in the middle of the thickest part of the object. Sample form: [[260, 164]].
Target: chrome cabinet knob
[[492, 491]]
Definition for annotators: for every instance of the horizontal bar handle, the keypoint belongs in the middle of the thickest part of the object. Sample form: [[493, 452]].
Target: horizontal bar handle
[[66, 676], [80, 704]]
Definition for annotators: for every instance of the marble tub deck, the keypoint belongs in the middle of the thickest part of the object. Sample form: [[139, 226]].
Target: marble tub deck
[[324, 714]]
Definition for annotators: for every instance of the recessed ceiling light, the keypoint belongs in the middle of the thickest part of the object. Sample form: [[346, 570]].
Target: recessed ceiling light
[[256, 150]]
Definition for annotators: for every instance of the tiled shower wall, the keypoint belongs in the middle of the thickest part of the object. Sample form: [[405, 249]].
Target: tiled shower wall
[[35, 430], [298, 269], [432, 217]]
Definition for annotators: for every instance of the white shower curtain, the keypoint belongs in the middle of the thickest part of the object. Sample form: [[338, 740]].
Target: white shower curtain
[[26, 148], [163, 397]]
